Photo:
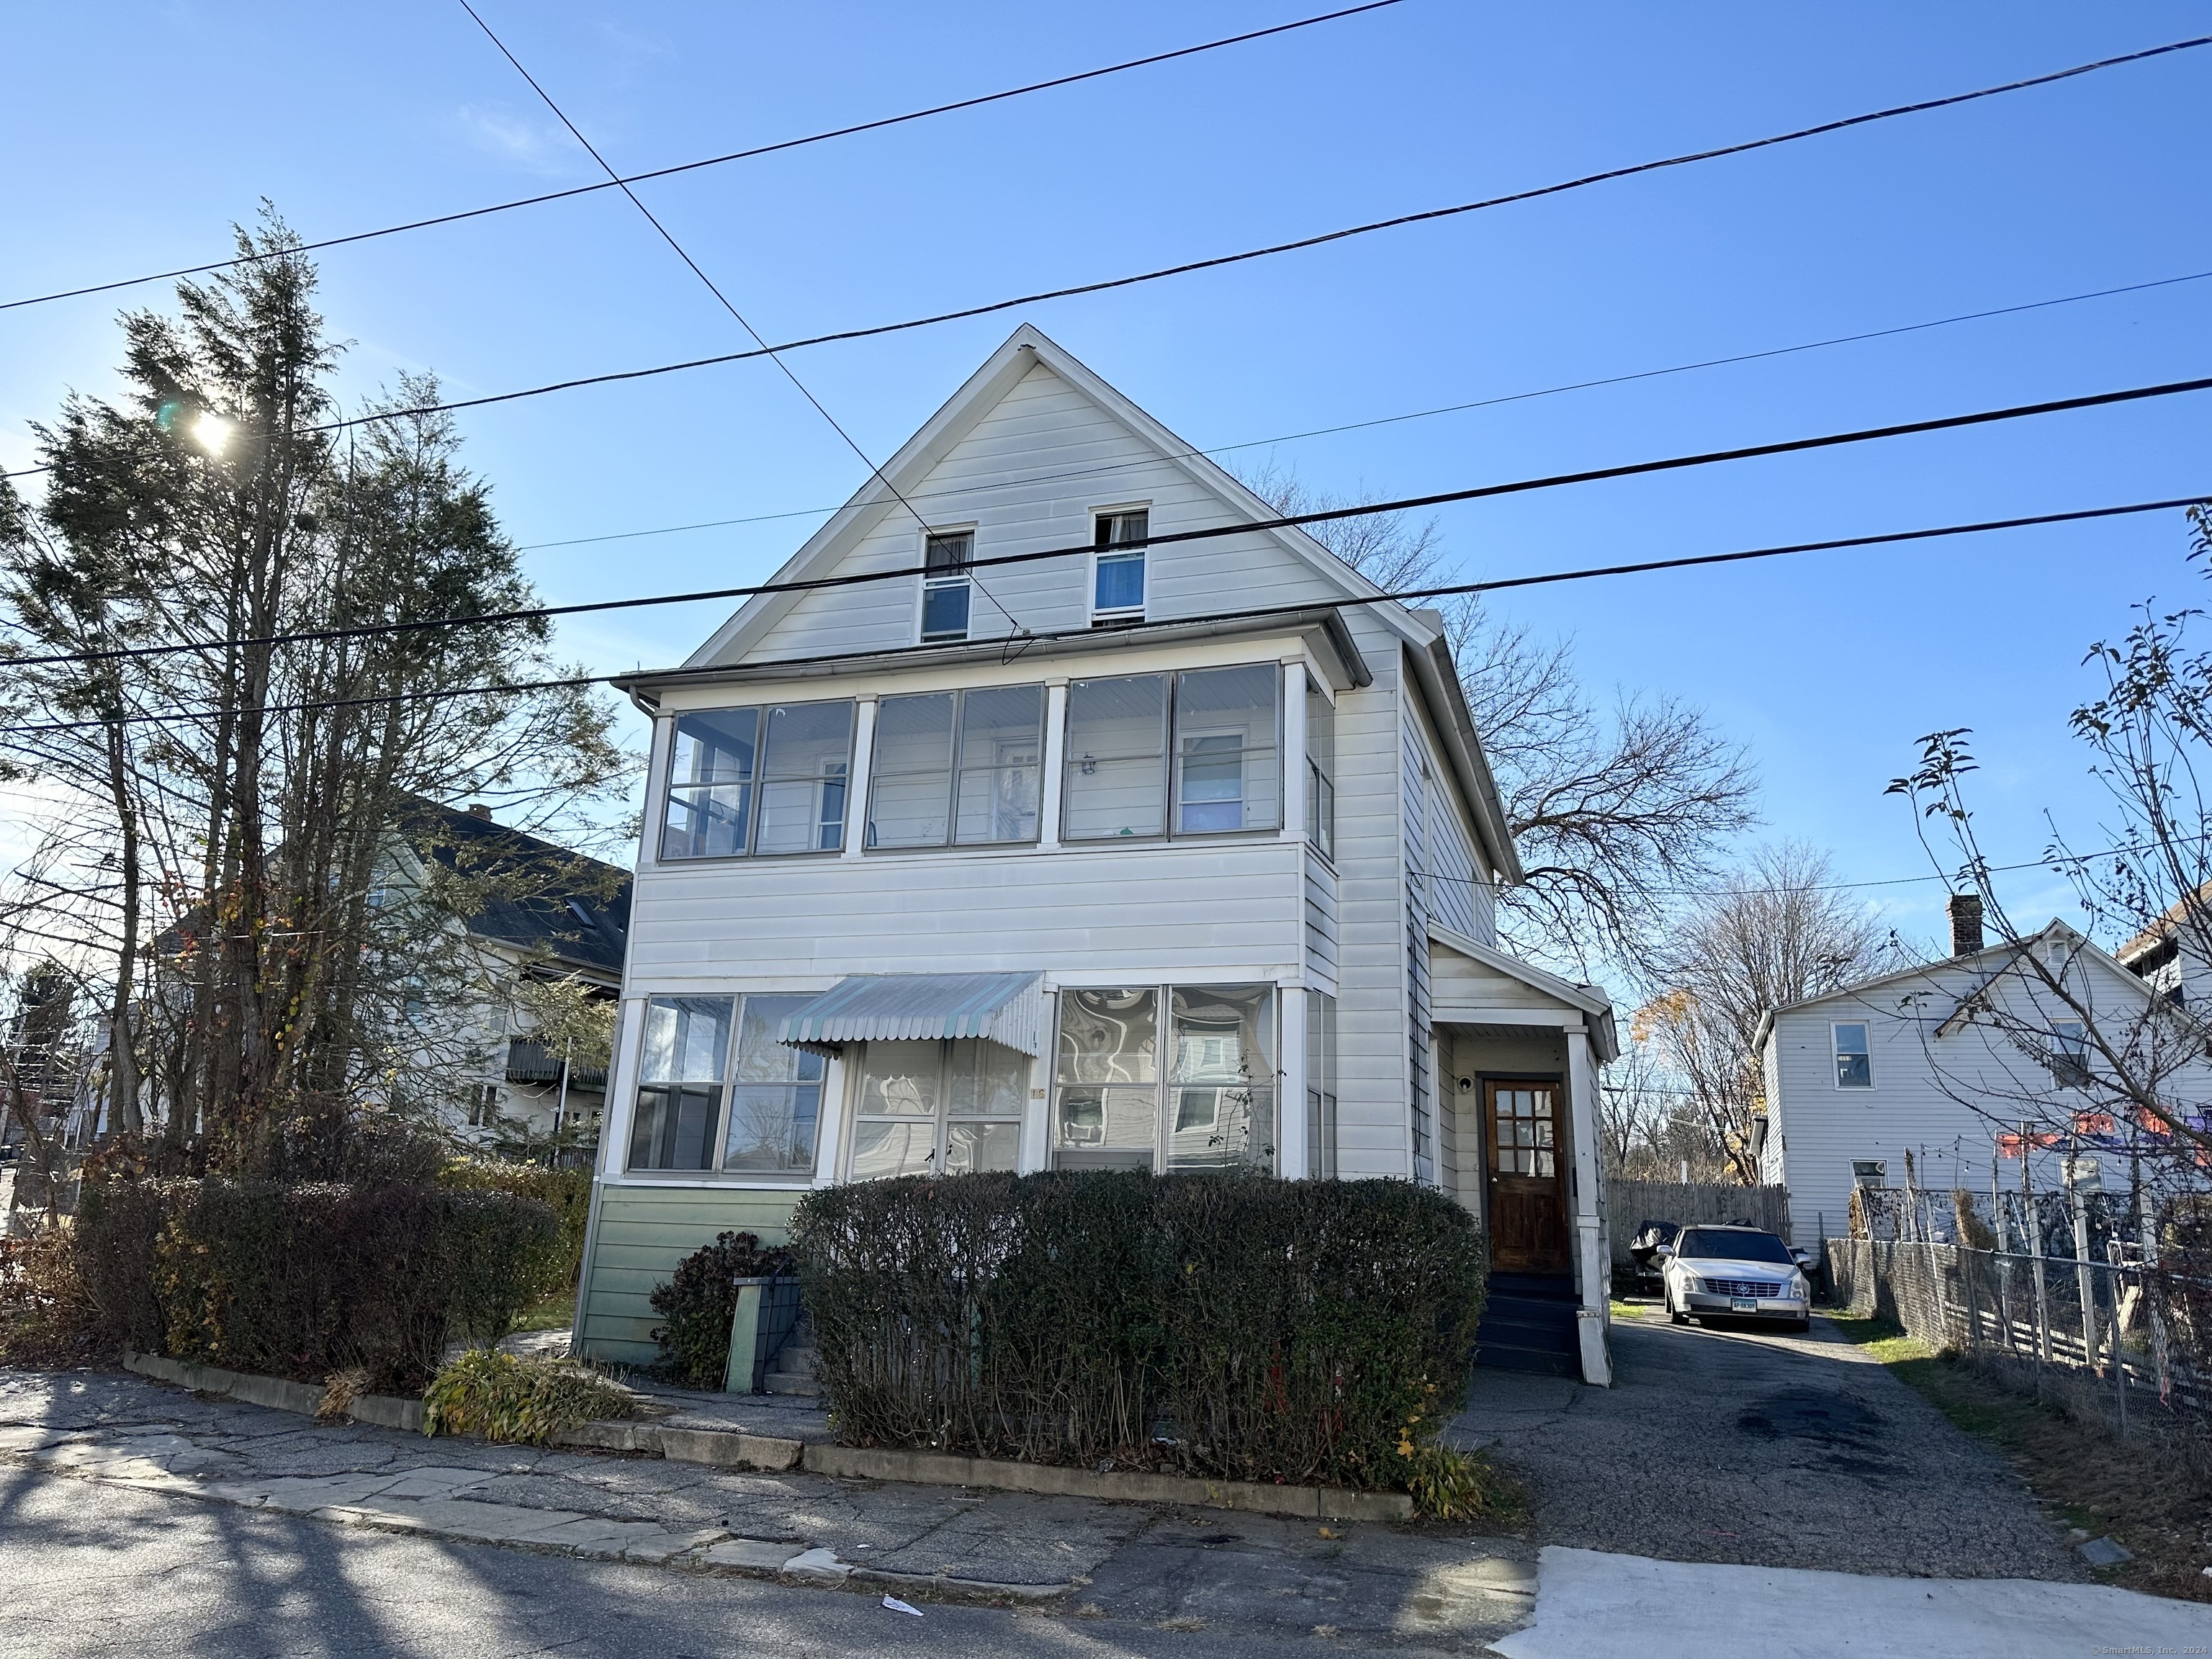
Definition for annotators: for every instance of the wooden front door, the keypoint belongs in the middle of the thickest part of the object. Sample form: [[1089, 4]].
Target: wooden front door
[[1528, 1190]]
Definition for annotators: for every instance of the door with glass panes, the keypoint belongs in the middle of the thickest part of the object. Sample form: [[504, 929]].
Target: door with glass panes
[[950, 1107]]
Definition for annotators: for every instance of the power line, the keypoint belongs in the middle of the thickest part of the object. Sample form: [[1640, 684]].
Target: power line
[[614, 377], [1286, 521], [708, 161], [1393, 420], [1092, 631]]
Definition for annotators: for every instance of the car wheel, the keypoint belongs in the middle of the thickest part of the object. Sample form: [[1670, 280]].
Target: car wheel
[[1679, 1316], [1801, 1326]]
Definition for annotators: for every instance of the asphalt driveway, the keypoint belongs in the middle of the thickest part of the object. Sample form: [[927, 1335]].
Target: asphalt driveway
[[1763, 1449]]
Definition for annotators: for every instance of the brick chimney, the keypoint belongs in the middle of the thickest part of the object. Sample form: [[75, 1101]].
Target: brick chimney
[[479, 810], [1966, 913]]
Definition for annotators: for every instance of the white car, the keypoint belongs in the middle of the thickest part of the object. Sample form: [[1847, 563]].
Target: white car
[[1734, 1272]]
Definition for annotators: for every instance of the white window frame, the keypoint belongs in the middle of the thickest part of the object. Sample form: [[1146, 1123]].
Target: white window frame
[[952, 842], [718, 1131], [928, 584], [1171, 770], [1166, 1098], [1139, 611], [1836, 1054], [2069, 1055], [664, 786], [942, 1121]]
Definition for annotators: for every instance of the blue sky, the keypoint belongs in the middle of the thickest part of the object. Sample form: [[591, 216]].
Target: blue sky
[[147, 128]]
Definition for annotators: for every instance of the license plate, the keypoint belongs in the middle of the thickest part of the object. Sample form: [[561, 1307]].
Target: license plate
[[1743, 1304]]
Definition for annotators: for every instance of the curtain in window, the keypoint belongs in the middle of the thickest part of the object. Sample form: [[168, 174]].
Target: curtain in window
[[1116, 753]]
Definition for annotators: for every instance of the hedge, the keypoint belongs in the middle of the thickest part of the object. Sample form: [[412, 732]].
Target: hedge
[[1225, 1325], [308, 1281], [568, 1191], [700, 1304]]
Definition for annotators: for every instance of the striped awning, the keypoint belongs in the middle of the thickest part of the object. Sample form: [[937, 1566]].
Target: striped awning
[[1006, 1008]]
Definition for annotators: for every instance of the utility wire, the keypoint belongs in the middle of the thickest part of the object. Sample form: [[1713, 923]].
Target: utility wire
[[1286, 521], [1253, 614], [1393, 420], [618, 375], [708, 161]]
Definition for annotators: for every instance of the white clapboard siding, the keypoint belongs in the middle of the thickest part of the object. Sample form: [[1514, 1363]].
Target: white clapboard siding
[[1157, 911], [1459, 983], [1321, 923], [1816, 1130], [1414, 789], [1373, 1122], [1009, 478]]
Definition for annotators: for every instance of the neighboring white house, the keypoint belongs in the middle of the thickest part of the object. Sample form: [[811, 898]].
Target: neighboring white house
[[1915, 1061], [1154, 852]]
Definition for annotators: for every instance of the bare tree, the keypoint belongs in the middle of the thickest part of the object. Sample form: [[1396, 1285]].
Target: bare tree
[[1768, 934], [1614, 810]]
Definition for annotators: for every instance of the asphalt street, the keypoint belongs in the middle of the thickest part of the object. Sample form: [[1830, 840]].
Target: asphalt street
[[93, 1569]]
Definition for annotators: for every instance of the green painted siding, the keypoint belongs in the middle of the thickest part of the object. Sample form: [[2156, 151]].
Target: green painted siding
[[642, 1233]]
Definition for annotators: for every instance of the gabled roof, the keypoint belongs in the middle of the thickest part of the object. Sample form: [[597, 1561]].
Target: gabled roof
[[1592, 1002], [1983, 965], [573, 908]]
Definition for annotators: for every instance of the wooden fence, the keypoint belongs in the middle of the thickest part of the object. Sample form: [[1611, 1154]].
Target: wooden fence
[[1630, 1204]]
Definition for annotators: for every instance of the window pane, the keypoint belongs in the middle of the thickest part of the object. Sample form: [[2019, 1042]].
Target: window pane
[[949, 552], [1115, 528], [1228, 777], [803, 766], [1320, 773], [687, 1039], [912, 785], [944, 611], [880, 1149], [762, 1057], [1095, 1117], [1108, 1036], [773, 1126], [1121, 582], [674, 1128], [1001, 745], [988, 1080], [1116, 749], [706, 823], [900, 1079], [1851, 1039], [969, 1147], [1854, 1070], [1225, 1045], [715, 747]]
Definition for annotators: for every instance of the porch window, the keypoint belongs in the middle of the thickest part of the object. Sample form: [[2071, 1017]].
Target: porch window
[[1117, 579], [1213, 1108], [2070, 1055], [1320, 1085], [929, 1108], [958, 767], [1321, 773], [758, 780], [775, 1093], [688, 1073], [679, 1093], [1205, 737], [946, 584], [1854, 1061]]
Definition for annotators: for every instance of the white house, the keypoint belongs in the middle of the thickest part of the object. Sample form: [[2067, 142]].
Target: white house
[[1948, 1059], [1145, 852]]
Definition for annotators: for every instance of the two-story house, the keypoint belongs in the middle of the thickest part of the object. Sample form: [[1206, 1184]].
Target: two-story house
[[1166, 844]]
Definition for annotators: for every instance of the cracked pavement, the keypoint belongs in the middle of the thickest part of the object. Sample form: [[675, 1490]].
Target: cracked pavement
[[1090, 1562]]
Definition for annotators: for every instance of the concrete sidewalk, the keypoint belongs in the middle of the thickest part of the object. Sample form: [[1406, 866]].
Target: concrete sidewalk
[[1594, 1605], [1181, 1569]]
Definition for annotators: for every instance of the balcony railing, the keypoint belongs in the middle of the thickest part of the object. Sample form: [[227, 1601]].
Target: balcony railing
[[533, 1062]]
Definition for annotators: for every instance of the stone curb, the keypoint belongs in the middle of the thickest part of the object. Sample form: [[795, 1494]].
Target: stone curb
[[728, 1449]]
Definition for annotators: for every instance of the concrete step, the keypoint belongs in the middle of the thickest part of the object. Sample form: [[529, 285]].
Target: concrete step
[[792, 1371]]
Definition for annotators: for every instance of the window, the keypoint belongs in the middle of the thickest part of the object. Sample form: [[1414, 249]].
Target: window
[[2070, 1055], [1224, 775], [1117, 579], [482, 1100], [1320, 1085], [1854, 1063], [1523, 1131], [687, 1070], [1213, 1108], [758, 780], [944, 585], [775, 1093], [953, 1107], [957, 766], [1320, 773]]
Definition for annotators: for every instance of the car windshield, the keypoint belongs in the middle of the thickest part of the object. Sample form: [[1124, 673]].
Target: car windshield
[[1712, 1244]]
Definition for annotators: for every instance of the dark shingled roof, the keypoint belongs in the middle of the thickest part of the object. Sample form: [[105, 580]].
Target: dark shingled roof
[[577, 909]]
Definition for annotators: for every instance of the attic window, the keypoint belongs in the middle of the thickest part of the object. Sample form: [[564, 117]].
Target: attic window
[[1117, 579], [944, 585], [582, 915]]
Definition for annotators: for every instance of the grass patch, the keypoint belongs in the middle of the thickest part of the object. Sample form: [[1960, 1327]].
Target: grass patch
[[1451, 1484], [2139, 1491], [1628, 1310], [556, 1313], [499, 1396]]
